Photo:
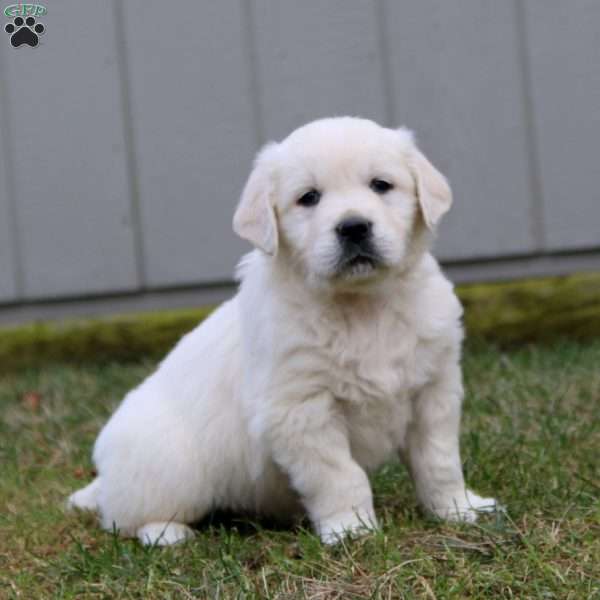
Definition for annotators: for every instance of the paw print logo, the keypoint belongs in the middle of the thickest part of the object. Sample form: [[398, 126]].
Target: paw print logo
[[24, 31]]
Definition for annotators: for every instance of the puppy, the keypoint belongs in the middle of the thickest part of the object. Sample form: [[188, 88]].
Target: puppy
[[340, 350]]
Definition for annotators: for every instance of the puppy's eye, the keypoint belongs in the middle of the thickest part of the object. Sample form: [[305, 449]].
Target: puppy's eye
[[380, 186], [311, 198]]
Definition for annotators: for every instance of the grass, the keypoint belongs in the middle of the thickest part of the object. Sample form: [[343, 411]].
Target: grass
[[531, 437]]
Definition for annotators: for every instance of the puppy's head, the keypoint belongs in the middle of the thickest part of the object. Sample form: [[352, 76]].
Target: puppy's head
[[346, 200]]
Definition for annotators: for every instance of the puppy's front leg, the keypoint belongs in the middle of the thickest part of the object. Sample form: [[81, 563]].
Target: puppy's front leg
[[433, 451], [310, 443]]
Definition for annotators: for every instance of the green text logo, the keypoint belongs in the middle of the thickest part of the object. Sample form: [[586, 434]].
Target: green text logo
[[25, 10]]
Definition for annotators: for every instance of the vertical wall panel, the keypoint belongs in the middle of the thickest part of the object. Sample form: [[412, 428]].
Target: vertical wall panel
[[317, 59], [456, 79], [8, 258], [8, 280], [8, 284], [67, 153], [564, 49], [194, 133]]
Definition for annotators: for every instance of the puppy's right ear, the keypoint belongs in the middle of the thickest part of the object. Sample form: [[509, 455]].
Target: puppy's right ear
[[255, 219]]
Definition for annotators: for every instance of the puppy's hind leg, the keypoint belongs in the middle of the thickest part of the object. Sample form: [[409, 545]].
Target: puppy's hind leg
[[164, 533], [86, 498]]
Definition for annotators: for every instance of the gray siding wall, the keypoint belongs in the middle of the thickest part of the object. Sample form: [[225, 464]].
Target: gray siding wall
[[126, 135]]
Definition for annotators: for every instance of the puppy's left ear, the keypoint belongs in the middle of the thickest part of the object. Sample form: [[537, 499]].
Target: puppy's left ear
[[254, 219], [433, 192]]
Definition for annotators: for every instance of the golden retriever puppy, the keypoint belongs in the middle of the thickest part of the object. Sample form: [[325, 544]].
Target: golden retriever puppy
[[340, 350]]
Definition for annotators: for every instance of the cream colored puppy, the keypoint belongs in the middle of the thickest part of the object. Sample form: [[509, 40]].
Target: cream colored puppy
[[340, 350]]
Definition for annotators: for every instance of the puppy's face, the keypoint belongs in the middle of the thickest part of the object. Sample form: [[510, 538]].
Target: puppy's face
[[342, 197], [346, 203]]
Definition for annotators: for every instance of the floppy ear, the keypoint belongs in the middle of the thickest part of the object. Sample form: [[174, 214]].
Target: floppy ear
[[254, 219], [433, 192]]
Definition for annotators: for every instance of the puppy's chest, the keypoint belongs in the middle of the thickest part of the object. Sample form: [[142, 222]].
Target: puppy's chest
[[374, 380], [378, 365]]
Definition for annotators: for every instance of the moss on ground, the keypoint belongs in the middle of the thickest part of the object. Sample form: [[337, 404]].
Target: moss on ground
[[122, 338], [534, 310]]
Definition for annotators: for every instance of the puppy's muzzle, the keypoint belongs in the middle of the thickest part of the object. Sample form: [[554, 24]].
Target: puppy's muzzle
[[355, 235]]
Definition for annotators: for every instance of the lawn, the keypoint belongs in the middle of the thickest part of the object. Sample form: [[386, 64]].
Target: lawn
[[531, 437]]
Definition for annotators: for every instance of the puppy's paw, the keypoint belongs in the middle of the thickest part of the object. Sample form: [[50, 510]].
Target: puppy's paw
[[349, 524], [85, 498], [482, 505], [465, 507], [164, 533]]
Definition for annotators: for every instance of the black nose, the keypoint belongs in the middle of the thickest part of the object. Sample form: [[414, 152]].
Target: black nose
[[354, 229]]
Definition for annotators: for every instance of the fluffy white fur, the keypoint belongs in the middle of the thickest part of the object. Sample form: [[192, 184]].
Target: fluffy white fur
[[312, 375]]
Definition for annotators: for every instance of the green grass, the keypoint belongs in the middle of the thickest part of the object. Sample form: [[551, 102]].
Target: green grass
[[531, 437]]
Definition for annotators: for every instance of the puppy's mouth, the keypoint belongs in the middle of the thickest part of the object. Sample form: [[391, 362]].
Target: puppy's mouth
[[358, 263]]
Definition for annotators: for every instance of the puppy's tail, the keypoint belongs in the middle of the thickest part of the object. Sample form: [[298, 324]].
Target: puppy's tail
[[86, 498]]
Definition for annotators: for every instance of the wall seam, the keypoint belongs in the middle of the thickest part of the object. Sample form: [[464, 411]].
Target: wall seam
[[131, 163], [248, 8], [536, 205], [389, 104]]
